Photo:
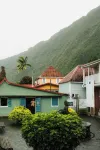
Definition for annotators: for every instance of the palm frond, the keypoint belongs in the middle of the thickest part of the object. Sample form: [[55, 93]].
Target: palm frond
[[28, 65], [26, 58]]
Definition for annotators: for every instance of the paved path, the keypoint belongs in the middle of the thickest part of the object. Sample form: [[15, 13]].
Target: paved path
[[93, 144], [18, 143], [14, 135]]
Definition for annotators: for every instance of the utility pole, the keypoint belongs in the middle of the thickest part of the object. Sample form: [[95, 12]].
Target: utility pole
[[50, 83], [32, 78]]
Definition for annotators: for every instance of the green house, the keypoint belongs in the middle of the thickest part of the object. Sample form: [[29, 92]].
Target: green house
[[12, 94]]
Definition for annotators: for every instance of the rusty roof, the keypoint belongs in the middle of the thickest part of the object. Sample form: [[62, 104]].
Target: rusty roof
[[76, 75], [51, 72]]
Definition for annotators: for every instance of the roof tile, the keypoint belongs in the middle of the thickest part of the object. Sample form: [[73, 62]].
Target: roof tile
[[75, 75], [51, 72]]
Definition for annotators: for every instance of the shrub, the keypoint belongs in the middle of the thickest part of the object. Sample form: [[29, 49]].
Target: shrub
[[19, 113], [70, 110], [52, 131]]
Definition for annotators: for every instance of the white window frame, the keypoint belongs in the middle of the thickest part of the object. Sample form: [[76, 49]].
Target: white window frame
[[56, 105], [57, 80], [44, 80], [0, 102]]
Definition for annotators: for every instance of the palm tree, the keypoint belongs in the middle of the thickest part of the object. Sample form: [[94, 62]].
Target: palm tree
[[22, 63]]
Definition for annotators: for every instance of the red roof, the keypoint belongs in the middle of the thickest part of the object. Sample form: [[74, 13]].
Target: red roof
[[25, 86], [75, 75], [46, 84], [51, 72]]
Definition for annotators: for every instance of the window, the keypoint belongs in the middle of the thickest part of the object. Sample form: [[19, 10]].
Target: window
[[3, 101], [57, 80], [43, 80], [54, 102]]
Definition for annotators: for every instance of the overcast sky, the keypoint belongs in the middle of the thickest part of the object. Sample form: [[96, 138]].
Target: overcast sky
[[23, 23]]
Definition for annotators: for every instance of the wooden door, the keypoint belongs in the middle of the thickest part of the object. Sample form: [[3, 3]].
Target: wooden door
[[37, 104], [97, 100]]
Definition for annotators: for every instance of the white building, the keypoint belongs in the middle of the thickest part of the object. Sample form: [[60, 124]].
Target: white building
[[73, 85], [91, 82]]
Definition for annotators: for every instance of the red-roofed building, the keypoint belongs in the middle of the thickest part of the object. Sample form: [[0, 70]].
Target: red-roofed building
[[12, 95], [72, 84], [76, 75], [50, 75], [48, 86]]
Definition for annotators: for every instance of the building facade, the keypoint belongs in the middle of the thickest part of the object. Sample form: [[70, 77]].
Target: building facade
[[12, 95], [50, 75], [91, 82], [72, 84]]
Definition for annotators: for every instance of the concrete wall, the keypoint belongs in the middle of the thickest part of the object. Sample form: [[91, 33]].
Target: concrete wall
[[90, 93], [76, 88], [64, 87], [73, 88]]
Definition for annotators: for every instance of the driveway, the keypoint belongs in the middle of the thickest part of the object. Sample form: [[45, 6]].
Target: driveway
[[93, 144], [18, 143]]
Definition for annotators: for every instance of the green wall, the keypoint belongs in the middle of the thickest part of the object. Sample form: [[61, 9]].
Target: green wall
[[12, 90], [4, 111], [46, 104], [16, 92]]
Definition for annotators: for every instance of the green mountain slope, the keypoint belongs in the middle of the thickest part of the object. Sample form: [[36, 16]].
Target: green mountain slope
[[77, 44]]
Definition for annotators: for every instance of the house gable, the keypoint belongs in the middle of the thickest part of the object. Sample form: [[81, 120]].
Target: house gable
[[7, 89]]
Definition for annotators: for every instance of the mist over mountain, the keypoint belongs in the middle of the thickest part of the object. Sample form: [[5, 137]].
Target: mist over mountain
[[79, 43]]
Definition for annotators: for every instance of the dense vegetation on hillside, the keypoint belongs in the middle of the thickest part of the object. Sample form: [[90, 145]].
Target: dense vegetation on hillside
[[77, 44]]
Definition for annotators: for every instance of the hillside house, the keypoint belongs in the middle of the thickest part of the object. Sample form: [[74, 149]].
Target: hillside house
[[91, 83], [48, 86], [72, 84], [49, 79], [12, 94]]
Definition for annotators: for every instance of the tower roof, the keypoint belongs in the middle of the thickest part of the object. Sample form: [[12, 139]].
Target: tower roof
[[51, 72]]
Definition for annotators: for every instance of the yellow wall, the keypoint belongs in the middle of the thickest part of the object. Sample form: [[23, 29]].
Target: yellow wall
[[47, 87], [47, 80]]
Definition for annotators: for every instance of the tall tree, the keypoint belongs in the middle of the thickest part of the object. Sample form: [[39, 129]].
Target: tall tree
[[26, 80], [2, 73], [22, 63]]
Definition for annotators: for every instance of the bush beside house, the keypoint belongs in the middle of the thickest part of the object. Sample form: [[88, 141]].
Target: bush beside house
[[52, 131], [19, 113]]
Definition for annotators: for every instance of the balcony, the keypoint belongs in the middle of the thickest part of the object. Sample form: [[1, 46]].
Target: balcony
[[95, 77]]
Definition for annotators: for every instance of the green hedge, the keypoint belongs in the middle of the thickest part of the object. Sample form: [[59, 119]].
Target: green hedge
[[19, 113], [52, 131]]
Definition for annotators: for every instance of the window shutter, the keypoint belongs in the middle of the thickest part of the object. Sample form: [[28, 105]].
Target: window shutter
[[23, 102], [38, 104], [9, 102], [54, 101]]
